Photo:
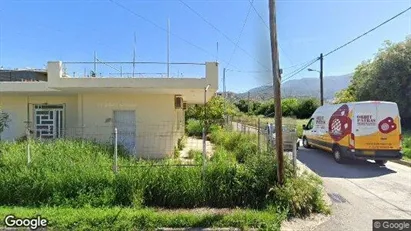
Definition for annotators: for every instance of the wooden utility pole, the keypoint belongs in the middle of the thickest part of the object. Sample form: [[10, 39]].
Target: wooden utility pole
[[321, 79], [277, 93]]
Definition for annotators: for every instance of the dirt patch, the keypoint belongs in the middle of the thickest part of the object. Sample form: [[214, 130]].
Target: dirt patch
[[306, 224]]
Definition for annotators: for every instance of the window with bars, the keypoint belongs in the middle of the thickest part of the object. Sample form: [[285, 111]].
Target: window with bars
[[49, 121]]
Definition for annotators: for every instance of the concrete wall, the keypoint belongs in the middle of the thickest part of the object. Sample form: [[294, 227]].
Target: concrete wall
[[156, 120], [16, 107], [90, 115]]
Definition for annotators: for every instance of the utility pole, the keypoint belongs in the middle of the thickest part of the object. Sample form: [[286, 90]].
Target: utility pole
[[277, 93], [321, 79], [224, 93]]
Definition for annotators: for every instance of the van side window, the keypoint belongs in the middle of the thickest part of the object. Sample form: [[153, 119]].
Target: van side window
[[310, 124]]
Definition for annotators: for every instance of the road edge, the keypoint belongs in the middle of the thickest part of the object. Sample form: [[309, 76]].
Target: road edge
[[402, 162]]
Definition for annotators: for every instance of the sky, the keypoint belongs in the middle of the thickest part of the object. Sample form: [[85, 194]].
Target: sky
[[33, 32]]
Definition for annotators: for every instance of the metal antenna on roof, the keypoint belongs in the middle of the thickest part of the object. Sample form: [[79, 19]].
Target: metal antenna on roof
[[168, 48], [134, 54]]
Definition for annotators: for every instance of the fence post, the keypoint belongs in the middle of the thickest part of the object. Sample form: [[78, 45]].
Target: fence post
[[204, 148], [28, 146], [295, 158], [115, 151], [258, 135]]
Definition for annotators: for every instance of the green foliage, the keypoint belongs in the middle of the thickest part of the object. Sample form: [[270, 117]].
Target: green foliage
[[306, 108], [407, 145], [79, 174], [385, 77], [214, 108], [301, 196], [118, 218], [291, 107], [181, 142], [194, 128], [4, 119]]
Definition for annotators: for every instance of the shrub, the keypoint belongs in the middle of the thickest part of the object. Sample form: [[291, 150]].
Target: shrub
[[407, 145], [194, 128], [300, 196], [181, 142]]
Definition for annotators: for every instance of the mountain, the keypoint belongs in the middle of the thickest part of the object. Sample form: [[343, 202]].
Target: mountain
[[305, 87]]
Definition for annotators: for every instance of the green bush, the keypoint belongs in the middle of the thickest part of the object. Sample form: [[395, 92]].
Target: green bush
[[407, 145], [300, 196], [181, 142], [194, 128]]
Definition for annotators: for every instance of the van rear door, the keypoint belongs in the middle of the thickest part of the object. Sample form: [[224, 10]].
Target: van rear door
[[376, 126], [389, 126]]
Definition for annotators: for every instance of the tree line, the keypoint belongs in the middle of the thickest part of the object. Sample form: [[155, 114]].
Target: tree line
[[386, 77]]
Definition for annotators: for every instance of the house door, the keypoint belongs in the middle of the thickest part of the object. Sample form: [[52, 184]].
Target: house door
[[125, 122], [49, 121]]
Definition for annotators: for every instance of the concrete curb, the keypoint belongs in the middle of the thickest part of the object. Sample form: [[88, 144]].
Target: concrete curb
[[402, 162]]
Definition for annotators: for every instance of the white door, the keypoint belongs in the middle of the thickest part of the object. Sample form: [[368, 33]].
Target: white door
[[125, 122]]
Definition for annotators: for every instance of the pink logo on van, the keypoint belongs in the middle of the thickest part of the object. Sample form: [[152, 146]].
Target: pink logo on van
[[340, 123], [387, 125]]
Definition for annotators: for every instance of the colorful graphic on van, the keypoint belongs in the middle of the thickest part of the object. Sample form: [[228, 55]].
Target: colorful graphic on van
[[387, 125], [340, 123]]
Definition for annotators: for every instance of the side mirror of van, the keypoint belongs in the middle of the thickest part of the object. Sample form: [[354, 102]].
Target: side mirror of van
[[304, 126]]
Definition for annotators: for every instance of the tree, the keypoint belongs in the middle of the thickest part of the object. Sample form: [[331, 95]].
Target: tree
[[215, 110], [4, 119], [385, 77]]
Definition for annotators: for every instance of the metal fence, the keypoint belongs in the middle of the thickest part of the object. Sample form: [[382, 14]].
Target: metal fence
[[101, 69], [265, 130]]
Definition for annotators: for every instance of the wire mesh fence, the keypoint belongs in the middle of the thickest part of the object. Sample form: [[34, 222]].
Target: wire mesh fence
[[266, 134]]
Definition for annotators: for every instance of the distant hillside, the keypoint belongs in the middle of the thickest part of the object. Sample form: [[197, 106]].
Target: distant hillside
[[305, 87]]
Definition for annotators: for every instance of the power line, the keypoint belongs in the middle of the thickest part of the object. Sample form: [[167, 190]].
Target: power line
[[162, 28], [241, 32], [299, 70], [362, 35], [222, 33]]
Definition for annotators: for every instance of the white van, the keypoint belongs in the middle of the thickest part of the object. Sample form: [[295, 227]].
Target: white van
[[358, 130]]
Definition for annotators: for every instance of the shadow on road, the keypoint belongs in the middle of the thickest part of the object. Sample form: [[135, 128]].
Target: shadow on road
[[324, 165]]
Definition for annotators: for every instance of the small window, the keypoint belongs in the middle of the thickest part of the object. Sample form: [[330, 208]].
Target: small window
[[310, 124]]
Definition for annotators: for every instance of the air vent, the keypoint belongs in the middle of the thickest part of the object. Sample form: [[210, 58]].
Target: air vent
[[184, 105], [178, 102]]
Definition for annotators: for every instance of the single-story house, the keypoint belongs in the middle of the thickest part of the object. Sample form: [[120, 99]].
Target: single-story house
[[148, 113]]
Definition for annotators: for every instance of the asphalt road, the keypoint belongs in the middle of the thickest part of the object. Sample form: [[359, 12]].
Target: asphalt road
[[360, 191]]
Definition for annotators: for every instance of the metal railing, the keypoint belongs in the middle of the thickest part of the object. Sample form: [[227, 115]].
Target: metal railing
[[115, 69]]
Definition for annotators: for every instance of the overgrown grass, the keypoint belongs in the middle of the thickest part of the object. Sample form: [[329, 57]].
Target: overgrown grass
[[118, 218], [407, 145], [79, 174]]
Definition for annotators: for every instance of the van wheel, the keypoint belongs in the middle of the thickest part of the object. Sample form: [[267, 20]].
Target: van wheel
[[381, 162], [338, 157], [305, 143]]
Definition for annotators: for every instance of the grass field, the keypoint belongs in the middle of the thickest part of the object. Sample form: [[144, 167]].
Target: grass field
[[73, 185], [118, 218]]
